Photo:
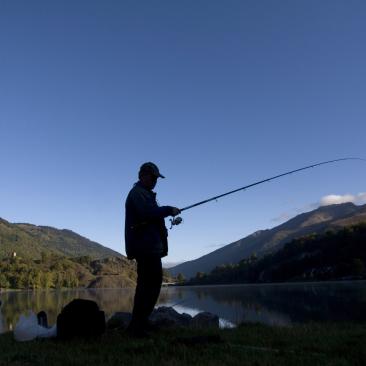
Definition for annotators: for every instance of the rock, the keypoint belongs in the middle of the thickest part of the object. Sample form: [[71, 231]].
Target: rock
[[119, 320], [167, 316], [205, 319], [186, 319]]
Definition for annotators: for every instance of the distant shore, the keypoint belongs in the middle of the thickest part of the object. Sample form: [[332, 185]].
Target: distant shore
[[195, 285], [272, 283]]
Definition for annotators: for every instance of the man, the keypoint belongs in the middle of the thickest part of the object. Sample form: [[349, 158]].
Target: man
[[146, 241]]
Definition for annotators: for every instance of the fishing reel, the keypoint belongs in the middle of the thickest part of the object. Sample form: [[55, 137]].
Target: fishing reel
[[175, 221]]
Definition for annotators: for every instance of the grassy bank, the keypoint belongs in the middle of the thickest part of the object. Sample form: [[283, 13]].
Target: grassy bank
[[250, 344]]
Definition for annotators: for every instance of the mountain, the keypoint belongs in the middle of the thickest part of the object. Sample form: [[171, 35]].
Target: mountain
[[271, 240], [30, 241], [334, 255], [51, 258]]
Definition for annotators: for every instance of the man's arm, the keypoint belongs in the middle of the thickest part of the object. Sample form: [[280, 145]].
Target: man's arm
[[147, 210]]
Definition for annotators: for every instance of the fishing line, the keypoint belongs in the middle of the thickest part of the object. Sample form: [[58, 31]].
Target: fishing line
[[177, 220]]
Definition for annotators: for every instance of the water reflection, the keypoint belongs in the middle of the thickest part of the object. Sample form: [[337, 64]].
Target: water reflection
[[281, 304], [18, 302]]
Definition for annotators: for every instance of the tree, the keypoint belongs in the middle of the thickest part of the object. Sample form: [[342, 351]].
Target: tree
[[37, 280], [44, 257], [4, 283], [31, 279], [59, 280], [70, 279], [22, 280], [200, 275], [357, 267], [47, 280], [180, 277], [253, 257]]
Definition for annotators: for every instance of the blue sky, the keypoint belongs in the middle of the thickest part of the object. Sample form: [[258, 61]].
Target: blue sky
[[217, 94]]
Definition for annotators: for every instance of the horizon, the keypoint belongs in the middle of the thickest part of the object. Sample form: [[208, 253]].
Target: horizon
[[217, 95], [169, 264]]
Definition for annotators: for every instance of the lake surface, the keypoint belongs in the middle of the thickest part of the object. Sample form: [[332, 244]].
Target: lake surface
[[276, 304]]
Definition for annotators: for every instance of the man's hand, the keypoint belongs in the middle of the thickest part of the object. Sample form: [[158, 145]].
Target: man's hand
[[175, 211]]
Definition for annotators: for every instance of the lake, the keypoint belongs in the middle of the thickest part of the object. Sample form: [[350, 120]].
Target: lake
[[275, 304]]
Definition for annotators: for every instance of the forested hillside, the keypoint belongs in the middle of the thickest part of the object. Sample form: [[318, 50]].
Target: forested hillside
[[42, 257], [29, 241], [336, 254], [263, 242], [53, 271]]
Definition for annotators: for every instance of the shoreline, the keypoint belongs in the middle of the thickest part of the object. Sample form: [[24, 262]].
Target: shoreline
[[272, 283], [291, 283]]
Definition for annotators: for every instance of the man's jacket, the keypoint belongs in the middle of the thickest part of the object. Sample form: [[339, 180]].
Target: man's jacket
[[145, 231]]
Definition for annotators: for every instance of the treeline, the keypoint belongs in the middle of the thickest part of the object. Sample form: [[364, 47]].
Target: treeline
[[55, 271], [51, 271], [333, 255]]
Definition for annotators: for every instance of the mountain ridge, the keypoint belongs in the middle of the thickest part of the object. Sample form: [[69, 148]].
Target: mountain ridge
[[30, 240], [337, 254], [263, 242]]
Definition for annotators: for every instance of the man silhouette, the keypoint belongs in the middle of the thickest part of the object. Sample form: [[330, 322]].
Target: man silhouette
[[146, 241]]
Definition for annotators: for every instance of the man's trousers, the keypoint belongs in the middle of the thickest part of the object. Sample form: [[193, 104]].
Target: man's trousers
[[149, 280]]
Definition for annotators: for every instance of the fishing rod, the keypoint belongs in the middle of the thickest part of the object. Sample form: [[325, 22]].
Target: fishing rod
[[177, 220]]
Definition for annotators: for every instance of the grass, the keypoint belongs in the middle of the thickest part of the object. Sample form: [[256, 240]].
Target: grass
[[337, 344]]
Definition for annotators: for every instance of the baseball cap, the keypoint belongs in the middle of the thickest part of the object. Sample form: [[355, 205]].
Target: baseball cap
[[151, 168]]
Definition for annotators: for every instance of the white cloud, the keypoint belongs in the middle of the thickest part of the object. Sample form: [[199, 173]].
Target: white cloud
[[333, 199]]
